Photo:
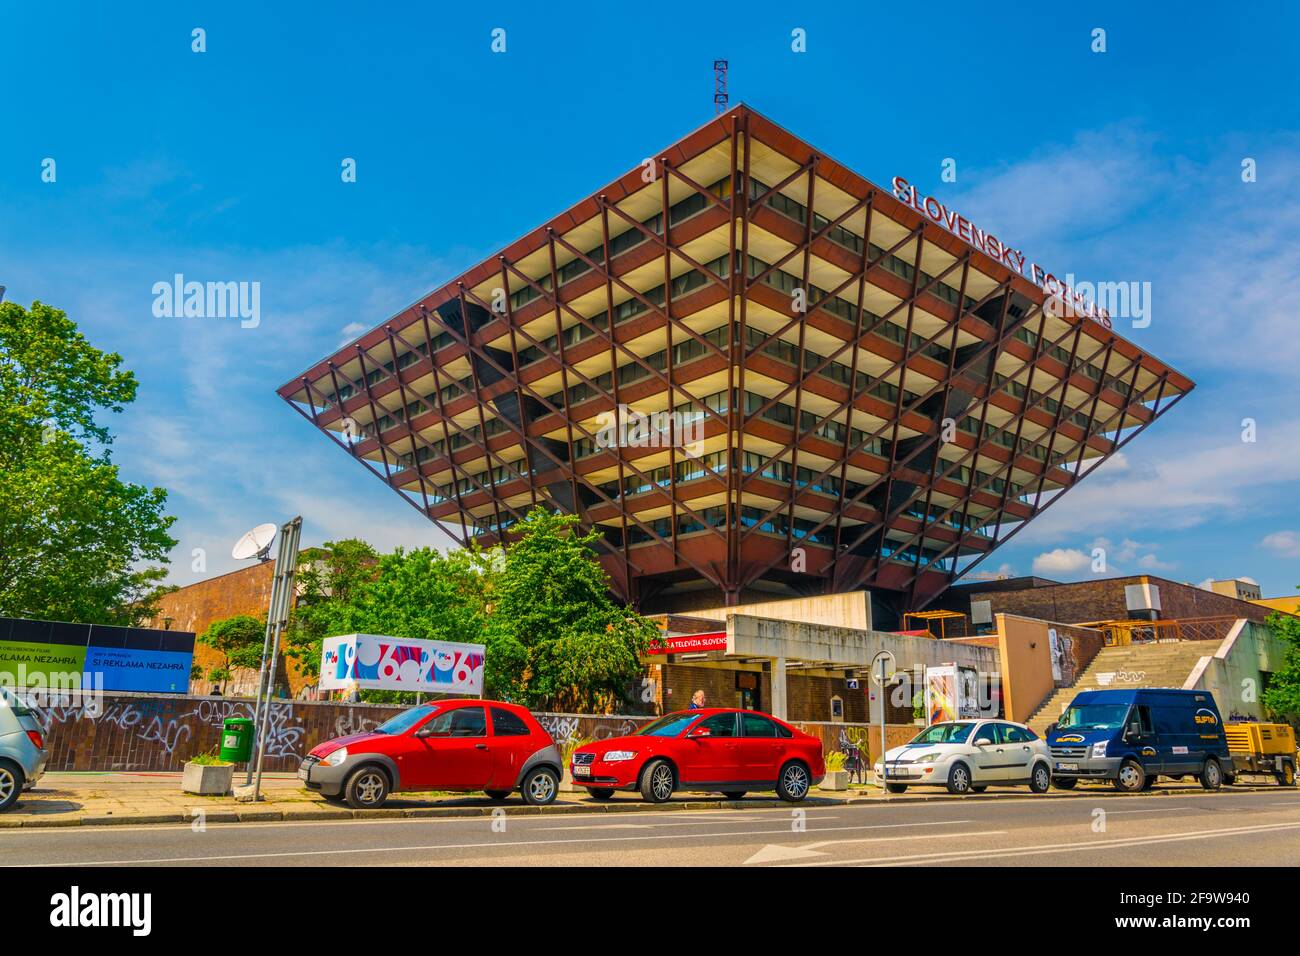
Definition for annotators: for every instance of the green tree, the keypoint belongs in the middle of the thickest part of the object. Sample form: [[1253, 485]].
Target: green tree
[[239, 640], [554, 636], [76, 542], [328, 578], [1282, 699]]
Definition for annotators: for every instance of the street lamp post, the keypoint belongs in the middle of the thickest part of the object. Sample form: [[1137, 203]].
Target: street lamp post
[[882, 671]]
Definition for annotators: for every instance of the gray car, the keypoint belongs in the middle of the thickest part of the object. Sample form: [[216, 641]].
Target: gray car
[[22, 749]]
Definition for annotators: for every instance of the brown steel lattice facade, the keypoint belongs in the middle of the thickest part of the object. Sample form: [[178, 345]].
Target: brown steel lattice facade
[[811, 403]]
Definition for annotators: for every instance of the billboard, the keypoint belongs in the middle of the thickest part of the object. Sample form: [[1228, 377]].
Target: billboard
[[951, 692], [57, 654], [378, 662]]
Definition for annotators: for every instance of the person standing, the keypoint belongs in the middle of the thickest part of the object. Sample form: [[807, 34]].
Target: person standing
[[697, 700]]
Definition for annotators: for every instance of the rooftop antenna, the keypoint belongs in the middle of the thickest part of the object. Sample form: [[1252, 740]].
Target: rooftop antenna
[[255, 544], [720, 99]]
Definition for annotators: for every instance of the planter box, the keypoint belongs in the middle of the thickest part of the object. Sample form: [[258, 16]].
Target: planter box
[[835, 780], [566, 783], [207, 779]]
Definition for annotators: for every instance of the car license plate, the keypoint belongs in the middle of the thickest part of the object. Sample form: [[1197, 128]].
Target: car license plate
[[1067, 766], [302, 773], [582, 771]]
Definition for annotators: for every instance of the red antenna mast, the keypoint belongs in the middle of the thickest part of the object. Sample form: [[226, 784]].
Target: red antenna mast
[[719, 86]]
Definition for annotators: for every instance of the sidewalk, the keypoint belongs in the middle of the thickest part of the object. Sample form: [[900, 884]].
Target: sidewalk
[[105, 799]]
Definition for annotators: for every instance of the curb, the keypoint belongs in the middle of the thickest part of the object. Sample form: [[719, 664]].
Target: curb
[[310, 812]]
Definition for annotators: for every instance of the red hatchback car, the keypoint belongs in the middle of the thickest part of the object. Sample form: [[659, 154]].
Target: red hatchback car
[[731, 751], [446, 745]]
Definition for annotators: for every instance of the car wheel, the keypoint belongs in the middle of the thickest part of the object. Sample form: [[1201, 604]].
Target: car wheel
[[959, 779], [600, 793], [896, 787], [1286, 776], [1040, 780], [366, 789], [1131, 777], [1211, 775], [11, 785], [540, 787], [734, 794], [1064, 783], [793, 783], [497, 795], [657, 781]]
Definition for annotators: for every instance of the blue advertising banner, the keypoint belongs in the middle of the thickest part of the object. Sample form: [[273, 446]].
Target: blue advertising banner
[[94, 656]]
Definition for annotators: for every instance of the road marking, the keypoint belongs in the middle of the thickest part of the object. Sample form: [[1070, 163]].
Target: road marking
[[447, 846], [620, 825], [1115, 813], [776, 851], [955, 855]]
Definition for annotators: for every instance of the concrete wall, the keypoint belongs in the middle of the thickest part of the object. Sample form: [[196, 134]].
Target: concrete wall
[[851, 609], [761, 637], [1235, 672], [1028, 676]]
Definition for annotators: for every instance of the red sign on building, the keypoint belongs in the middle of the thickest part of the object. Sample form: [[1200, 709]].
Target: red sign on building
[[691, 643]]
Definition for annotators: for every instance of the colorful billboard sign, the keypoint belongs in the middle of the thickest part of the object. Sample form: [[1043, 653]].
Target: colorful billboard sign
[[55, 654], [378, 662], [951, 692]]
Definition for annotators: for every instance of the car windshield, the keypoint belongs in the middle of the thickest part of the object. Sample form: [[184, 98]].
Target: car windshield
[[406, 719], [944, 734], [1093, 717], [669, 725]]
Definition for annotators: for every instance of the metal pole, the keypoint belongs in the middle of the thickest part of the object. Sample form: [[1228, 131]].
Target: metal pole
[[266, 649], [879, 676], [285, 566]]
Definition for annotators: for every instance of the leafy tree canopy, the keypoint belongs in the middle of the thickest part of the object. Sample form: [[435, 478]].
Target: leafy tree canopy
[[1282, 699], [76, 542], [541, 606], [238, 639]]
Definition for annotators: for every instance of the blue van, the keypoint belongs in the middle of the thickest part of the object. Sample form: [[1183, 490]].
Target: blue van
[[1132, 737]]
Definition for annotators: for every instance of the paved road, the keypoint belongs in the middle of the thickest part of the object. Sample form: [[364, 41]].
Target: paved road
[[1223, 829]]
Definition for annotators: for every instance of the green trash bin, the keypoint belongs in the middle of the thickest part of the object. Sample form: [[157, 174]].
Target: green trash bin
[[237, 739]]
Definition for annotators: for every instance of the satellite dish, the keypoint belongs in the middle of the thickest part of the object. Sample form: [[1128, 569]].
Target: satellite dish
[[255, 544]]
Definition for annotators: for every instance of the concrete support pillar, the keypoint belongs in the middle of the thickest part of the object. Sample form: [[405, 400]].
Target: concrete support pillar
[[779, 708]]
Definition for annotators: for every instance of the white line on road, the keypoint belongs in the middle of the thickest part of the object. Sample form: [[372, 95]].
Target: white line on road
[[955, 855], [441, 846]]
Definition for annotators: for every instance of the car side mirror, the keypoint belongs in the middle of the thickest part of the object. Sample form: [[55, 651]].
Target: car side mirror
[[1134, 731], [699, 732], [1051, 728], [983, 742]]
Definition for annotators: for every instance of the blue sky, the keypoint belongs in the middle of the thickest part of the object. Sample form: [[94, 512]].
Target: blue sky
[[224, 165]]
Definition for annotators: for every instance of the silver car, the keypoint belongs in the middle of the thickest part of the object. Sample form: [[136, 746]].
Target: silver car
[[22, 749]]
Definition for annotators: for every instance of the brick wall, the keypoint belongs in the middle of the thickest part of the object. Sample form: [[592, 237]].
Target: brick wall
[[1103, 600], [195, 606], [807, 697]]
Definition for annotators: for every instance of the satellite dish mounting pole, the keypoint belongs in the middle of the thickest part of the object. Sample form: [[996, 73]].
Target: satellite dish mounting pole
[[286, 563]]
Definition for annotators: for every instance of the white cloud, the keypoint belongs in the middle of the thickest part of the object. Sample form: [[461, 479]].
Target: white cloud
[[1285, 544], [1061, 561]]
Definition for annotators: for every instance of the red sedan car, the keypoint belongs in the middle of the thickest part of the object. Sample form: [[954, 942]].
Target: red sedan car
[[447, 745], [731, 751]]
